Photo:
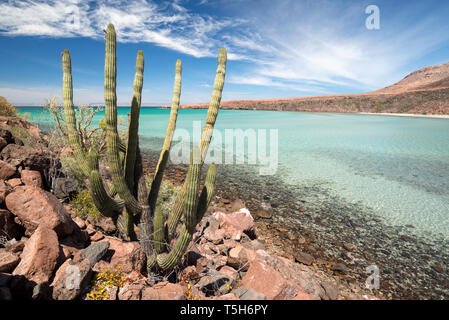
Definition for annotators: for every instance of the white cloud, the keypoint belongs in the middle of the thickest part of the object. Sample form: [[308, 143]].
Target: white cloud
[[301, 46]]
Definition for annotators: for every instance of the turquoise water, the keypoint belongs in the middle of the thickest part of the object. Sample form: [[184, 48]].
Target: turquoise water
[[398, 166]]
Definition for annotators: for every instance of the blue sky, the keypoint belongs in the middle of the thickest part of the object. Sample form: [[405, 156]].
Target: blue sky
[[276, 48]]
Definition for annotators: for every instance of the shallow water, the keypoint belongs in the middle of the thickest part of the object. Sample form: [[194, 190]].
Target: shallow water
[[396, 166]]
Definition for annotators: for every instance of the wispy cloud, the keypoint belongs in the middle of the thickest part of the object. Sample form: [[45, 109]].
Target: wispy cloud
[[300, 46]]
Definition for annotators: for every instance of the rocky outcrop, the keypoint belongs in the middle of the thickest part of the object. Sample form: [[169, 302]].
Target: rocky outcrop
[[40, 256], [126, 255], [31, 178], [26, 157], [36, 207]]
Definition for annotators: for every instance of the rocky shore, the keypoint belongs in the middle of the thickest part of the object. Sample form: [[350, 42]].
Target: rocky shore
[[307, 224], [49, 252]]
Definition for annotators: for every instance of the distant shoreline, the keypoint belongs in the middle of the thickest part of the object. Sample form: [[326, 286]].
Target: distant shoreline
[[412, 115], [434, 116]]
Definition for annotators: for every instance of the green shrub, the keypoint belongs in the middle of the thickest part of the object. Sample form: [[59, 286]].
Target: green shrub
[[6, 109], [23, 134], [71, 169], [84, 206]]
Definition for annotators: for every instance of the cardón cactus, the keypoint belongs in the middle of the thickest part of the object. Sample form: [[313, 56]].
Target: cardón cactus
[[128, 200]]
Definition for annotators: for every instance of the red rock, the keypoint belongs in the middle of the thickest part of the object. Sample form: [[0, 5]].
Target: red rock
[[131, 291], [36, 207], [240, 258], [31, 178], [128, 255], [230, 272], [6, 170], [79, 222], [236, 223], [97, 236], [264, 279], [40, 255], [71, 279], [164, 291], [14, 182]]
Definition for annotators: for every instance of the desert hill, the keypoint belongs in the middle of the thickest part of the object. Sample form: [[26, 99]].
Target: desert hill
[[425, 91]]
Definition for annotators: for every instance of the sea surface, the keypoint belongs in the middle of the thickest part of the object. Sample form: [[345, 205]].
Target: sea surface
[[396, 166]]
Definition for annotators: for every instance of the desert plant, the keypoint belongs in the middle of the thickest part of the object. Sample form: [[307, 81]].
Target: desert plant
[[6, 109], [127, 202]]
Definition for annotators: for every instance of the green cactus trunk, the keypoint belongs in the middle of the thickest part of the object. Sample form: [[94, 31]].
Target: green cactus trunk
[[134, 203], [112, 137], [206, 136]]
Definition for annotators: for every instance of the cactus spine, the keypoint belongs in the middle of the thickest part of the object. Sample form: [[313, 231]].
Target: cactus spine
[[128, 197]]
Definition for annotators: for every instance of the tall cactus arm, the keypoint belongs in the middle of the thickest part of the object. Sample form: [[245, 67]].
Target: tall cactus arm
[[69, 112], [168, 261], [206, 135], [104, 203], [133, 129], [163, 158], [206, 193], [192, 188], [112, 137], [214, 104]]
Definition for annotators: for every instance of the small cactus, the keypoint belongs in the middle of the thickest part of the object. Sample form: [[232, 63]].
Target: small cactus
[[128, 201]]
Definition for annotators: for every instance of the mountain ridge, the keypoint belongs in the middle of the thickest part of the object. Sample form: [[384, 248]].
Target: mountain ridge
[[424, 91]]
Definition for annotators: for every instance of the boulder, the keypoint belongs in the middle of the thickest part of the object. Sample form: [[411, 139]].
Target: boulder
[[299, 273], [31, 178], [95, 252], [27, 157], [8, 260], [75, 274], [164, 291], [15, 246], [304, 258], [244, 293], [240, 258], [236, 223], [104, 223], [264, 279], [40, 256], [6, 170], [64, 188], [128, 255], [131, 291], [36, 207], [230, 272], [15, 182], [71, 279]]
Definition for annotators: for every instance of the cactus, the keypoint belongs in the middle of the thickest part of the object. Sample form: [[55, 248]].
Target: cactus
[[128, 201]]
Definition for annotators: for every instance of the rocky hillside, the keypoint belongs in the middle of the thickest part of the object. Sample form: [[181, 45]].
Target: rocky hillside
[[425, 91], [49, 252]]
